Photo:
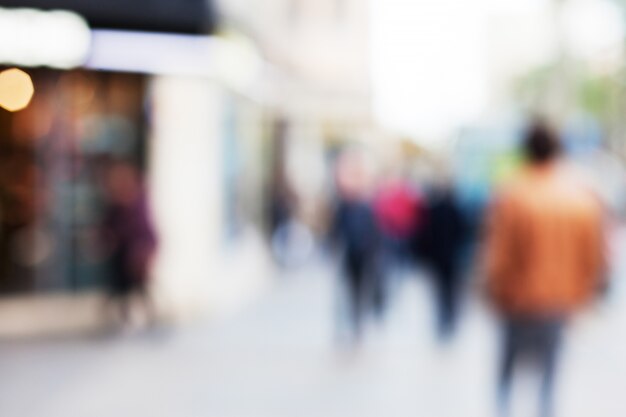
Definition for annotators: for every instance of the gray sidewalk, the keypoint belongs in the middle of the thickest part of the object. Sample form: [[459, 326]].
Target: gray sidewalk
[[243, 273], [277, 359]]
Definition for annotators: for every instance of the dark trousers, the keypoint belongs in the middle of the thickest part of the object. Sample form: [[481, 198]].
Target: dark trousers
[[365, 291], [535, 337], [446, 285]]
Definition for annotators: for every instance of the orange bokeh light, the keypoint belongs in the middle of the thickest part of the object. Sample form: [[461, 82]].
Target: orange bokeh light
[[16, 89]]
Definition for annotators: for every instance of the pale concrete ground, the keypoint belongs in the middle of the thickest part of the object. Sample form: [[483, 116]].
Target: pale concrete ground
[[277, 358], [246, 263]]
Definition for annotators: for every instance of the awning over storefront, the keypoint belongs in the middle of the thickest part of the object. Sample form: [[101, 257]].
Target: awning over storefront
[[181, 16]]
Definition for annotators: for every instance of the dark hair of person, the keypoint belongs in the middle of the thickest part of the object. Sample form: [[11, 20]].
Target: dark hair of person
[[541, 143]]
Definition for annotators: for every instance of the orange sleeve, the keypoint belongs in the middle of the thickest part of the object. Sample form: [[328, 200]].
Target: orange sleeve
[[593, 254], [498, 246]]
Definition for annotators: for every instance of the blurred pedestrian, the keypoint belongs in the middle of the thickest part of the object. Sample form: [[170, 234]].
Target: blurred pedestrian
[[544, 259], [399, 210], [440, 243], [130, 238], [355, 231]]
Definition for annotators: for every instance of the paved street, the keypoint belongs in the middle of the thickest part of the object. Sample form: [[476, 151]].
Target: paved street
[[276, 358]]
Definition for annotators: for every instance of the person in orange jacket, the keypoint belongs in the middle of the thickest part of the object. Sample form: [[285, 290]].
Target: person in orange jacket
[[544, 258]]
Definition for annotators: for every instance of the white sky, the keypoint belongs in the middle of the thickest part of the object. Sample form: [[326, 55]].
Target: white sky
[[431, 62]]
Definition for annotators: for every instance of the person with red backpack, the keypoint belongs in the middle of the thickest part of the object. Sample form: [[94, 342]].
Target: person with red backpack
[[398, 210]]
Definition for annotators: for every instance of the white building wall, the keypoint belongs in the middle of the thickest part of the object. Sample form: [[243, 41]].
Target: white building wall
[[318, 51], [196, 271], [185, 188]]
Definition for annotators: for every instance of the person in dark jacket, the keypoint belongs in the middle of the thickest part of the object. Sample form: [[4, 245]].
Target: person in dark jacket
[[130, 238], [355, 233], [441, 242]]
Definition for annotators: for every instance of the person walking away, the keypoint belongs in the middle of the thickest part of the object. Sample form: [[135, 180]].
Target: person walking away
[[355, 233], [544, 259], [440, 246], [398, 208]]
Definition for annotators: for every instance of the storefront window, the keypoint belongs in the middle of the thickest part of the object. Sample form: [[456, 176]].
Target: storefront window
[[54, 157]]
